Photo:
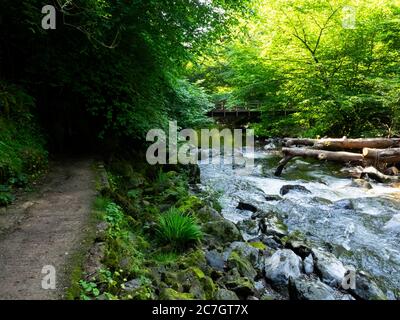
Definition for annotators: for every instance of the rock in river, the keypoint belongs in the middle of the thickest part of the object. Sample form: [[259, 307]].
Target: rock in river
[[247, 207], [329, 267], [308, 264], [306, 289], [345, 204], [281, 266], [393, 224], [366, 288], [297, 188]]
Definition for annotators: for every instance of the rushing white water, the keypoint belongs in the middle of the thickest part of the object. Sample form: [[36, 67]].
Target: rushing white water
[[366, 236]]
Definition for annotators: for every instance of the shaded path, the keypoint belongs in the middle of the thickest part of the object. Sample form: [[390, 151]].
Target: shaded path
[[46, 230]]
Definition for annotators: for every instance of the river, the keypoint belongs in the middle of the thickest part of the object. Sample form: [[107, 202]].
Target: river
[[360, 226]]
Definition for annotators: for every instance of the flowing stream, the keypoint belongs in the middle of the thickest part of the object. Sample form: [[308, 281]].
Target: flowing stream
[[364, 233]]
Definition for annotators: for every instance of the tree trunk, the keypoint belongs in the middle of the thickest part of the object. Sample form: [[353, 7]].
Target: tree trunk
[[344, 143], [290, 153], [382, 155]]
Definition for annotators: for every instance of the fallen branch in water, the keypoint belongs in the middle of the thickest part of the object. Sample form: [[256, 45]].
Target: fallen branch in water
[[290, 153]]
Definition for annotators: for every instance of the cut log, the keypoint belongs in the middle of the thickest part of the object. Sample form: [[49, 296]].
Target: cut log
[[378, 176], [289, 142], [382, 155], [290, 153], [344, 143]]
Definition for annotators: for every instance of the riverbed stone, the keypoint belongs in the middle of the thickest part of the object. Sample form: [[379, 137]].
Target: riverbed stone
[[393, 224], [345, 204], [308, 264], [294, 188], [281, 266], [273, 198], [328, 267], [273, 226], [366, 288], [247, 207], [307, 289], [361, 183], [249, 227], [298, 246]]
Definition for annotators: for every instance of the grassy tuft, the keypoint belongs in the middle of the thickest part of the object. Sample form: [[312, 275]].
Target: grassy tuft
[[178, 229]]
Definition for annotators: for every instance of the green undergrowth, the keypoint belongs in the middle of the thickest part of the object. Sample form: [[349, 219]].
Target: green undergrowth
[[23, 157], [152, 232]]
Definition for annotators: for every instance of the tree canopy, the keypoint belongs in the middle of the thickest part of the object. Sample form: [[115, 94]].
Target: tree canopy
[[333, 66]]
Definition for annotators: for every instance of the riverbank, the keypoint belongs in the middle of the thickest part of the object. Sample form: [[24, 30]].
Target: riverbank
[[255, 258]]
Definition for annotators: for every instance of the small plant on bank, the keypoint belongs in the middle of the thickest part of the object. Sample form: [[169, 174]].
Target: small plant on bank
[[178, 229], [6, 197]]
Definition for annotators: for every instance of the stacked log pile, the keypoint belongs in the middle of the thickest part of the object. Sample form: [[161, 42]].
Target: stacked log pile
[[380, 157]]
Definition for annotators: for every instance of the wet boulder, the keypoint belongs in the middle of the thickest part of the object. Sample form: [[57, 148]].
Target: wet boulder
[[345, 204], [298, 246], [249, 227], [308, 264], [306, 289], [281, 266], [294, 188], [393, 224], [273, 198], [247, 207], [366, 288], [272, 226], [328, 267], [361, 183]]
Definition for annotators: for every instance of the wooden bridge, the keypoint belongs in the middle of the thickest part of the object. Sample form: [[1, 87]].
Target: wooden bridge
[[249, 110]]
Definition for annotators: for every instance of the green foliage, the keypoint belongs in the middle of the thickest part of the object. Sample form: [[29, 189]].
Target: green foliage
[[178, 229], [88, 289], [308, 73], [22, 153], [6, 197], [119, 64]]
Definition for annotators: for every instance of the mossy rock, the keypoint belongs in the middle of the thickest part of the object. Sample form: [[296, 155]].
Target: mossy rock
[[171, 294], [195, 258], [197, 283], [207, 214], [258, 245], [222, 231], [191, 280], [242, 265], [190, 204], [242, 286], [227, 295]]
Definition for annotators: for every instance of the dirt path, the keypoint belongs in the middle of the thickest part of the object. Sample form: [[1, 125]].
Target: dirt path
[[45, 229]]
